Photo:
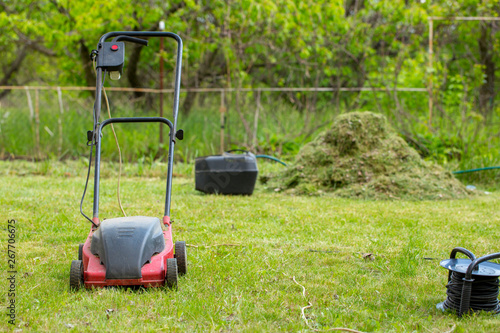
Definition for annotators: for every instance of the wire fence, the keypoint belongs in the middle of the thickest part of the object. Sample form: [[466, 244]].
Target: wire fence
[[37, 122], [157, 91]]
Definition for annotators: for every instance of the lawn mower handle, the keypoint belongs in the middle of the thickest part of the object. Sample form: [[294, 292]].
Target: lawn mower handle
[[177, 84], [98, 157], [131, 40], [131, 37]]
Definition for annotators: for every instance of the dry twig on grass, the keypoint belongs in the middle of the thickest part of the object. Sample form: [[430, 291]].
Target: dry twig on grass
[[310, 305], [205, 246], [451, 329]]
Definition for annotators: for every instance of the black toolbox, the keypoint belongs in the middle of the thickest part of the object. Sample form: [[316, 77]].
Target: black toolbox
[[226, 174]]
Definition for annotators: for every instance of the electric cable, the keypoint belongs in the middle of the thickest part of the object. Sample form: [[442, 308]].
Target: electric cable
[[117, 144], [484, 295], [119, 152], [92, 143], [86, 183]]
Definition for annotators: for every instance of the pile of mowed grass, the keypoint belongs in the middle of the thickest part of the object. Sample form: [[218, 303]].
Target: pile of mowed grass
[[361, 156]]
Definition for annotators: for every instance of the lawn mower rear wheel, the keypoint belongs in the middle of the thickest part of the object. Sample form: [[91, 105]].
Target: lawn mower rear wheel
[[181, 256]]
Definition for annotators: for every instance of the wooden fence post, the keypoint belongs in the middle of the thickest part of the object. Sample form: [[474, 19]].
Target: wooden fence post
[[431, 55], [32, 114], [222, 110], [256, 121], [37, 123], [59, 121]]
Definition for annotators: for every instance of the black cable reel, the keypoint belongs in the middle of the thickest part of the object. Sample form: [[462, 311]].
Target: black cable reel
[[472, 283]]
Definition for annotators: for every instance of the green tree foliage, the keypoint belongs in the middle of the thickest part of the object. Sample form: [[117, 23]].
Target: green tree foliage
[[69, 30], [284, 43], [352, 43]]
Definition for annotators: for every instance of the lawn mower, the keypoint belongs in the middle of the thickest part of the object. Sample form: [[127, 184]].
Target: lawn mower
[[135, 250]]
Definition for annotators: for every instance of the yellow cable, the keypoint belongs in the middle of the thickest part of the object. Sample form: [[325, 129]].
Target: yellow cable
[[119, 154], [117, 145]]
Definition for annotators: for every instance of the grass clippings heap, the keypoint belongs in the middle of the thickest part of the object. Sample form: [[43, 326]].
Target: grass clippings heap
[[362, 156]]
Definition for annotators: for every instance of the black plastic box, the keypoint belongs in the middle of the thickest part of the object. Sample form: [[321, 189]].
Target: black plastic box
[[226, 174]]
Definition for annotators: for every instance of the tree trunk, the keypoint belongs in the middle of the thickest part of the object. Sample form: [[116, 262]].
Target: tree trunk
[[189, 102], [132, 76], [12, 69], [487, 90], [353, 6], [88, 69], [213, 62]]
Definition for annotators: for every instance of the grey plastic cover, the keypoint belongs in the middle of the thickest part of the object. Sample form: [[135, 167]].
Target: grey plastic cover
[[227, 162], [226, 174], [125, 244]]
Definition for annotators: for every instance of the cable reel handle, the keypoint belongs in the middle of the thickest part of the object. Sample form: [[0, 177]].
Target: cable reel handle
[[453, 255], [476, 262], [464, 251]]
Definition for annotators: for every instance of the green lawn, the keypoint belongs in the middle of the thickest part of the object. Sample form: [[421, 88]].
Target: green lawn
[[244, 254]]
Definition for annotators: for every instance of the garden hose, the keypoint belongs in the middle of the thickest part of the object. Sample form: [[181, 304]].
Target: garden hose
[[258, 156], [271, 158], [474, 170]]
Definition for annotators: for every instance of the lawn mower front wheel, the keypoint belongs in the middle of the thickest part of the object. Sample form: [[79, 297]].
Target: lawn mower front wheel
[[171, 277], [76, 275]]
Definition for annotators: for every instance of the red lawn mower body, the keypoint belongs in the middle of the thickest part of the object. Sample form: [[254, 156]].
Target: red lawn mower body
[[136, 250], [153, 273]]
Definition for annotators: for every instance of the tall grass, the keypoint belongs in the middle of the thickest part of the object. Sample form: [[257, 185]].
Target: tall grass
[[455, 141], [280, 128]]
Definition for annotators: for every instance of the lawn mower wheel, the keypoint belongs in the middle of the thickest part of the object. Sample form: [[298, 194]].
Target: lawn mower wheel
[[80, 252], [181, 256], [171, 278], [76, 275]]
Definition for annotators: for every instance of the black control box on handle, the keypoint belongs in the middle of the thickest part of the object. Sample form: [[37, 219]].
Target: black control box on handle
[[111, 55]]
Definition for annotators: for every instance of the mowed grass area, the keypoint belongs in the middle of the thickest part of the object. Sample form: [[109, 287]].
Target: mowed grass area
[[245, 252]]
